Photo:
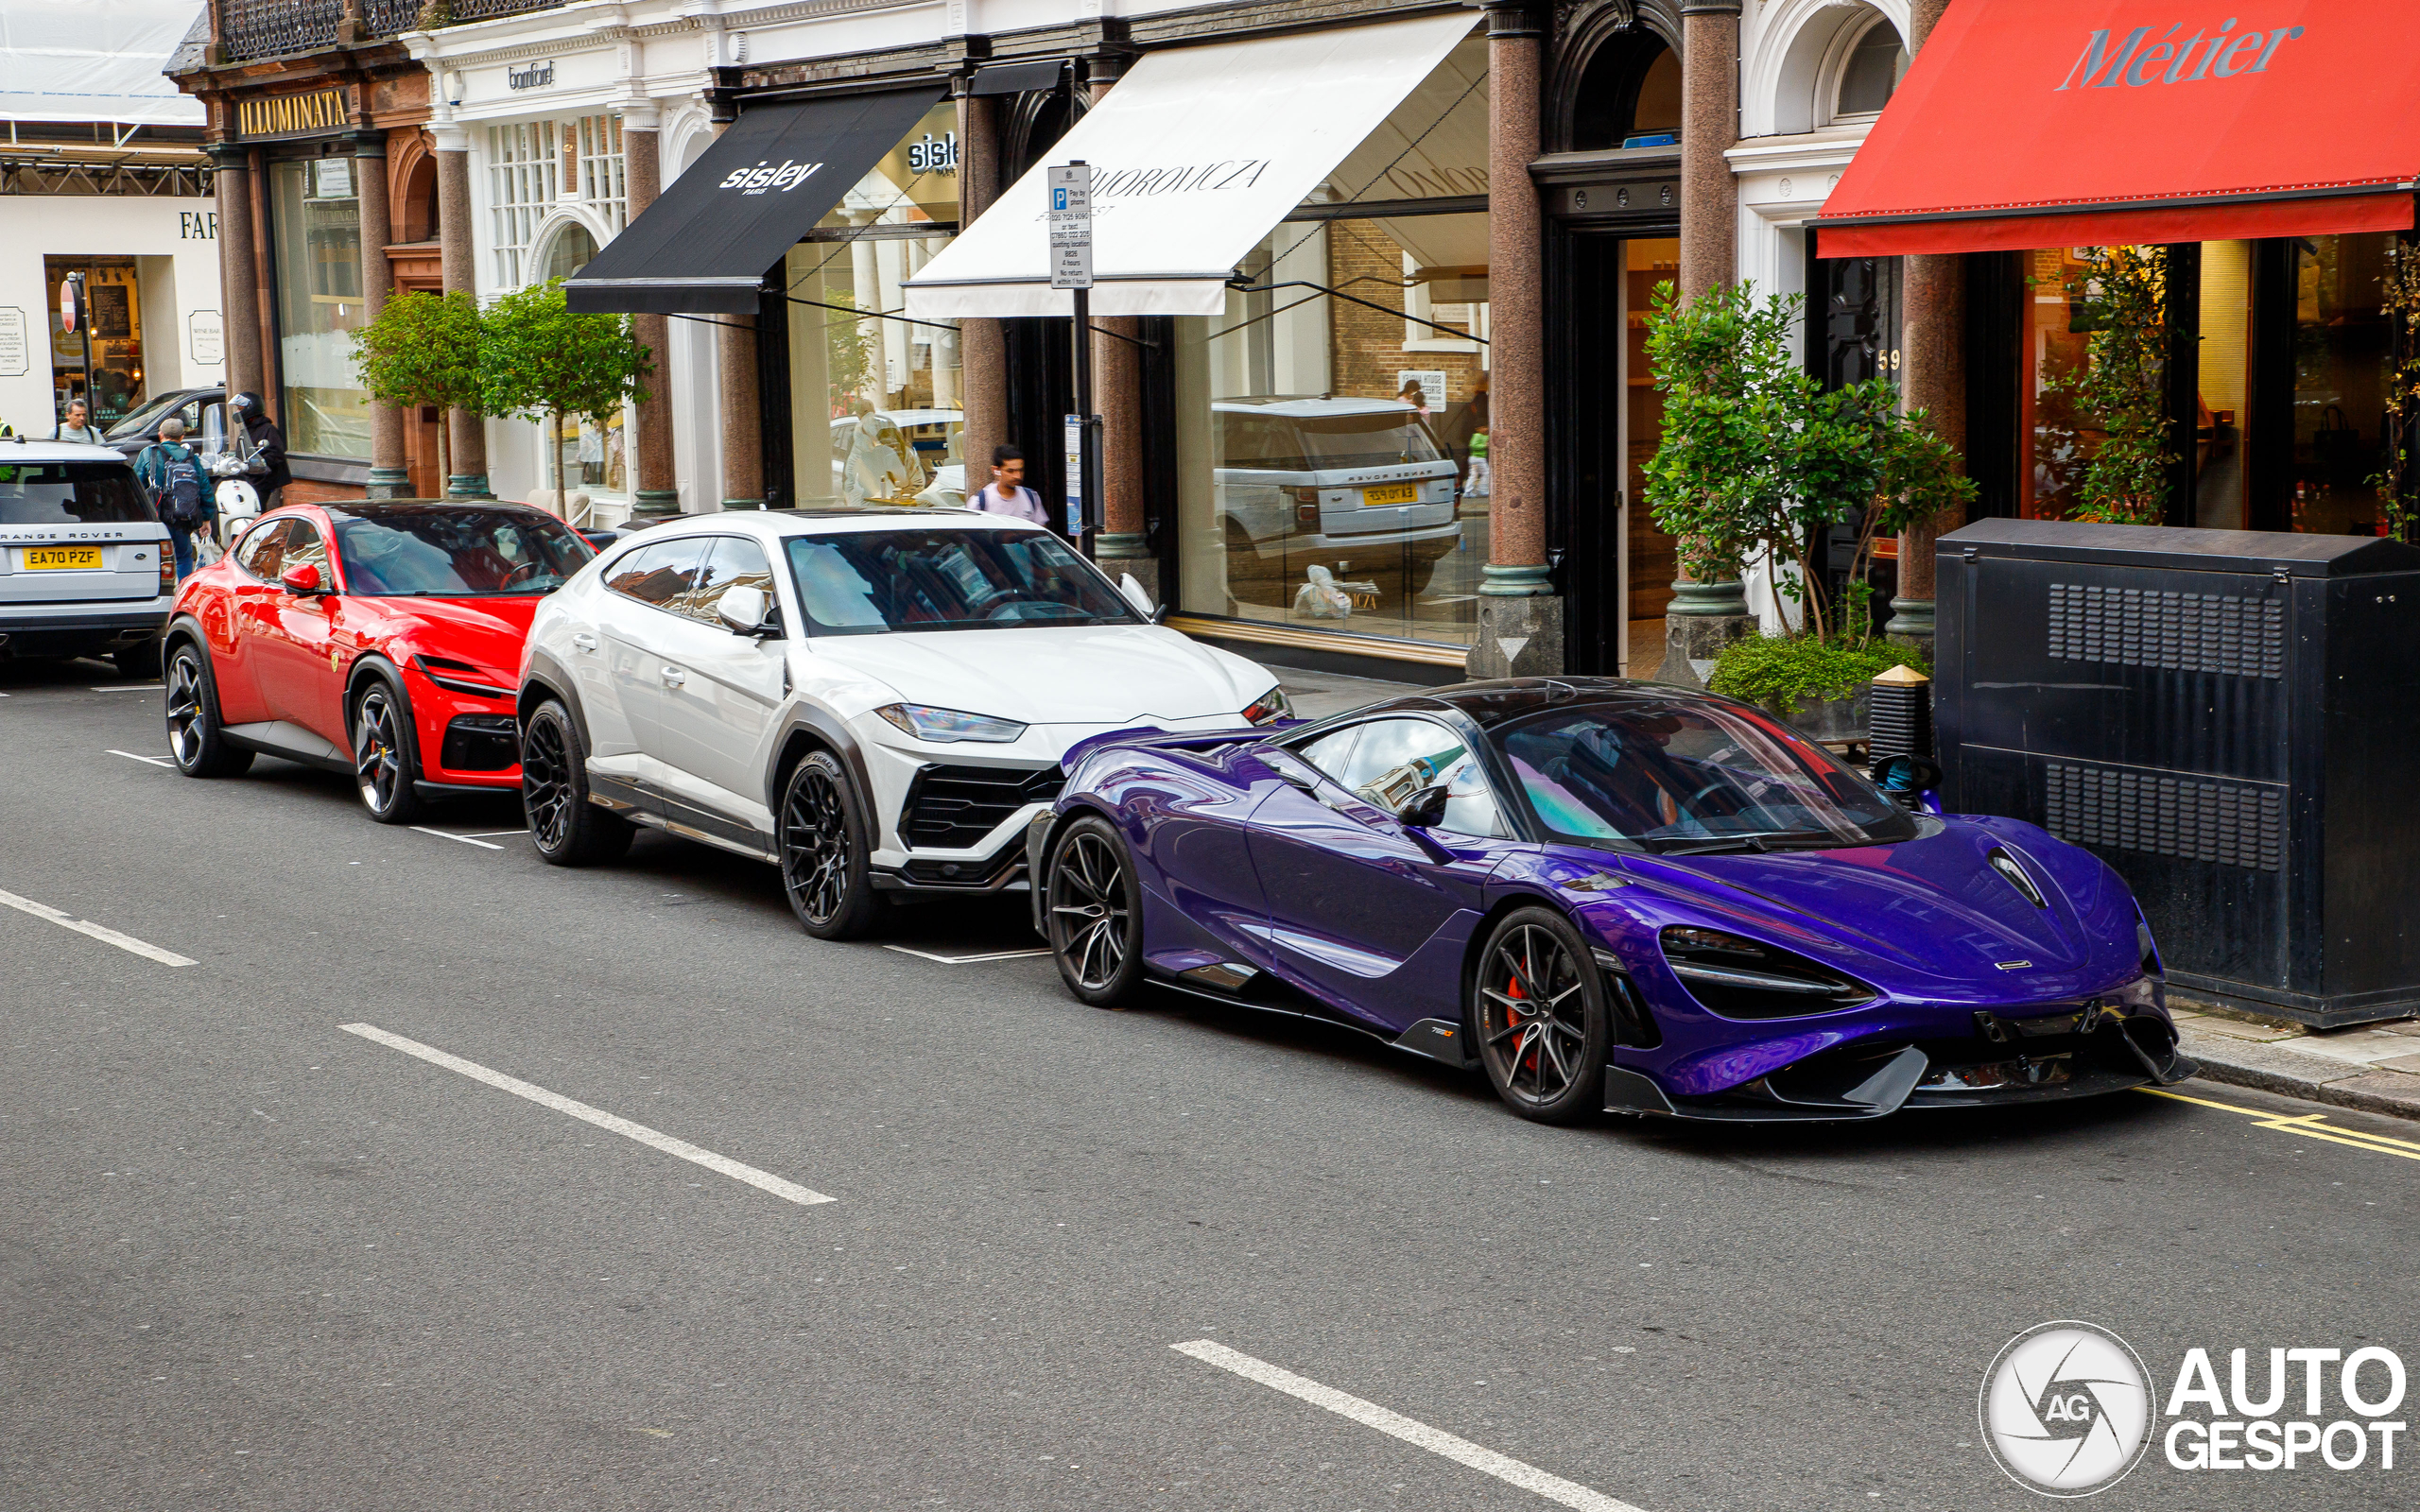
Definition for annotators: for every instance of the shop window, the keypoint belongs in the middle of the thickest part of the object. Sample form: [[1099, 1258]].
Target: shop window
[[569, 251], [1629, 94], [524, 174], [113, 386], [602, 182], [1332, 475], [2342, 339], [2224, 387], [314, 225], [1871, 73]]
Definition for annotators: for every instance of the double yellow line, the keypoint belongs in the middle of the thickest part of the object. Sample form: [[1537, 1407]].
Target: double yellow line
[[2313, 1124]]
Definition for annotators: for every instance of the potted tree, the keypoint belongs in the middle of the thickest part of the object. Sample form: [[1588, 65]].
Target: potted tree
[[539, 360], [423, 351]]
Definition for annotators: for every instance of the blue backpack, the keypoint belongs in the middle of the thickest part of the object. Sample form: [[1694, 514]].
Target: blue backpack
[[179, 496]]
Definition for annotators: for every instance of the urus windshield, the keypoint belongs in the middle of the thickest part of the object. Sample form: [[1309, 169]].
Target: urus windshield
[[450, 551], [864, 582], [1690, 778]]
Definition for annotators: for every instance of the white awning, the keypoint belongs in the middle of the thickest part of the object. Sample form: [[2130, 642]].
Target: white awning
[[1196, 154]]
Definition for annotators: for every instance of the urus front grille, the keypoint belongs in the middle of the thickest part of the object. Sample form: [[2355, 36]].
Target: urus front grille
[[951, 808]]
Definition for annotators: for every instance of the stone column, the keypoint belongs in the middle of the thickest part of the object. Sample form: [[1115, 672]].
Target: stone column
[[1706, 617], [982, 345], [388, 477], [1933, 335], [239, 290], [657, 493], [466, 433], [1520, 618]]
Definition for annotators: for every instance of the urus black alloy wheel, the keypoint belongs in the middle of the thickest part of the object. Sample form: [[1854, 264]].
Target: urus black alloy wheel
[[546, 783], [185, 707], [1533, 1016], [378, 759], [815, 846], [1088, 911]]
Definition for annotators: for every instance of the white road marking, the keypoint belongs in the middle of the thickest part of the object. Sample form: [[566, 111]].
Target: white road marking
[[464, 838], [156, 760], [1437, 1441], [965, 960], [100, 932], [491, 834], [722, 1164], [128, 687]]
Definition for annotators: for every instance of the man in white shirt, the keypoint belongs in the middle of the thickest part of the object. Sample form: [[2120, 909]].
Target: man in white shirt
[[1007, 493]]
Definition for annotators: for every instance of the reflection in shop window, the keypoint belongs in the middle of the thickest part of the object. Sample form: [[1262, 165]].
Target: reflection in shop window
[[314, 221], [1326, 449], [114, 318]]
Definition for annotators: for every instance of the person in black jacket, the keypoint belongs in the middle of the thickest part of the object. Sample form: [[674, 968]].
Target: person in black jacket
[[263, 434]]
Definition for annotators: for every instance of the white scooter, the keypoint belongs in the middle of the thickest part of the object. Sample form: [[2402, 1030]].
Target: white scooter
[[238, 503]]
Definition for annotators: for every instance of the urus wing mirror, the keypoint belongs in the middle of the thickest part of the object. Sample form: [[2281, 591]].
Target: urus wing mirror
[[745, 610], [1134, 593]]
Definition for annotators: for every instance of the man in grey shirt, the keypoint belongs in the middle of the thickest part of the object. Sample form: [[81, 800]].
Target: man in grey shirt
[[76, 427]]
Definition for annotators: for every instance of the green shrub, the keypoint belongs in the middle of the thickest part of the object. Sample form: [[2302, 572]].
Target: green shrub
[[1777, 671]]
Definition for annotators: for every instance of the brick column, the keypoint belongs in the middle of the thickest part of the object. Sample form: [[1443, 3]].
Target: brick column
[[657, 494], [1933, 335], [239, 290], [466, 433], [388, 477], [1117, 392], [982, 345], [737, 395], [1520, 619]]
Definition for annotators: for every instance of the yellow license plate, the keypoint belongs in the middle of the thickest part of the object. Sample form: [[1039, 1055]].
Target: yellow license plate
[[1391, 493], [62, 559]]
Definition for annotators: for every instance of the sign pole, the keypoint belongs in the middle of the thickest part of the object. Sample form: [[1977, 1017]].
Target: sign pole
[[1071, 268], [80, 320]]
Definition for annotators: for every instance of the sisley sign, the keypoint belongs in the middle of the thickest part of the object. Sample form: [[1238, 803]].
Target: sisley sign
[[757, 180], [2134, 60]]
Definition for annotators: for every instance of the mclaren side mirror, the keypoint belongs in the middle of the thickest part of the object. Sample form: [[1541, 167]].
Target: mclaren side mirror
[[1134, 593], [1425, 809], [302, 580], [745, 610]]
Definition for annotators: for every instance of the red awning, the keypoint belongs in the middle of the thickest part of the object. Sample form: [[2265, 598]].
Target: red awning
[[2086, 123]]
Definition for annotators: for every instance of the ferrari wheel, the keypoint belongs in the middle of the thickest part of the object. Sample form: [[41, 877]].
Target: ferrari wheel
[[193, 731], [1540, 1012], [1095, 914], [568, 829], [386, 761], [823, 852]]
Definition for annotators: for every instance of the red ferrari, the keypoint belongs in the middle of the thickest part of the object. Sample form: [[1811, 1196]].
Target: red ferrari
[[379, 640]]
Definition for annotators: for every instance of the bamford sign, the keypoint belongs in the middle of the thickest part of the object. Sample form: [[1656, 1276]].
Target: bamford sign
[[2135, 59]]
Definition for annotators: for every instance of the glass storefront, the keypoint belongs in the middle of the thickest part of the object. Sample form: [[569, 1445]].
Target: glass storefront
[[315, 223], [2292, 346], [875, 407], [113, 313]]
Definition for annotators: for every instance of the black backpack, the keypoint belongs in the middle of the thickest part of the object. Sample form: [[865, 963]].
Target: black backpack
[[179, 498]]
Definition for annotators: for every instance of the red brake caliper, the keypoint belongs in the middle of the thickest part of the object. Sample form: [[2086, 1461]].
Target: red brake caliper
[[1513, 1017]]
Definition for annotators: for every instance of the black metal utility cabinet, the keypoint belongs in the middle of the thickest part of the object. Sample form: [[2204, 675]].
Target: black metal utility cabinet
[[2230, 718]]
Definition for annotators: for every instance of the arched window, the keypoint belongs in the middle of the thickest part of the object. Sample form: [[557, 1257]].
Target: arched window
[[1875, 67], [1630, 91], [570, 253]]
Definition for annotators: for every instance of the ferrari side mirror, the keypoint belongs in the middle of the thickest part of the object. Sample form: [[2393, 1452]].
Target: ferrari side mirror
[[302, 580], [1425, 809]]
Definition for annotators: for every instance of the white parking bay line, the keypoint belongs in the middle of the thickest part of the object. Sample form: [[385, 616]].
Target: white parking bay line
[[156, 760], [1437, 1441], [100, 932], [128, 687], [721, 1164], [464, 838], [965, 960]]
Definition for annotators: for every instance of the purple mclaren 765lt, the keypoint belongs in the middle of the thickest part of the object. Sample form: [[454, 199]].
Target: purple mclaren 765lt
[[1608, 894]]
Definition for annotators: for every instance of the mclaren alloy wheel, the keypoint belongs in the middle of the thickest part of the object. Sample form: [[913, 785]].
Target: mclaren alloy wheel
[[195, 737], [824, 851], [1540, 1013], [568, 829], [1095, 914]]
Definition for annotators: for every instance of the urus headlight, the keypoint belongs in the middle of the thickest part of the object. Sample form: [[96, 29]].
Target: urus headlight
[[1740, 978], [946, 725]]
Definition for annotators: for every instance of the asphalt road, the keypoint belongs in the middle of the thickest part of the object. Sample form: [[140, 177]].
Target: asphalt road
[[249, 1258]]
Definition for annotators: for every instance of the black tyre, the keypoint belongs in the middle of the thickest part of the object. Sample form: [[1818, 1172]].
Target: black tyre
[[1540, 1013], [824, 849], [196, 738], [138, 662], [568, 829], [386, 755], [1093, 905]]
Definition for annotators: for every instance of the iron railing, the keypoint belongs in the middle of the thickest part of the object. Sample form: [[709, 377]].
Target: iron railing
[[387, 17], [486, 9], [272, 28]]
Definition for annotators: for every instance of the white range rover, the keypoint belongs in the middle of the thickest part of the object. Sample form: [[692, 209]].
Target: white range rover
[[85, 568], [873, 699]]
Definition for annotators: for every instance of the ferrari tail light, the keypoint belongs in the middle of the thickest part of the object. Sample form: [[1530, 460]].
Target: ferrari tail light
[[1740, 978]]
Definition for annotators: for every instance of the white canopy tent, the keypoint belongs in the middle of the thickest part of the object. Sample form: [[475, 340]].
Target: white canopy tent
[[95, 60], [1196, 154]]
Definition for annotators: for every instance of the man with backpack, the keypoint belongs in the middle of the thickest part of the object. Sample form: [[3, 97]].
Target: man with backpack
[[170, 477]]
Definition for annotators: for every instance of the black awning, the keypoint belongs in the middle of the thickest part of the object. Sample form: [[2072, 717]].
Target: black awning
[[1015, 78], [703, 247]]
